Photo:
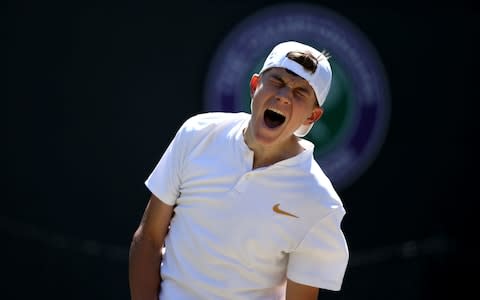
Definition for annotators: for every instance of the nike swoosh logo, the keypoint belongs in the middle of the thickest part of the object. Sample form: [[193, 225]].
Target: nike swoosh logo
[[276, 208]]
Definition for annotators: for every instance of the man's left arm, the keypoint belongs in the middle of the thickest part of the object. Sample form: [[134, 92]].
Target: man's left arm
[[297, 291], [320, 259]]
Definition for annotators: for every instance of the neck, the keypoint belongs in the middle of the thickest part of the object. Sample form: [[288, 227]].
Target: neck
[[266, 155]]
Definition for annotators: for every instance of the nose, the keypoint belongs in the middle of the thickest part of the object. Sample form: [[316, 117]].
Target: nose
[[284, 95]]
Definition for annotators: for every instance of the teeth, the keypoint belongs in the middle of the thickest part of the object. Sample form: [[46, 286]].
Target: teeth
[[277, 111]]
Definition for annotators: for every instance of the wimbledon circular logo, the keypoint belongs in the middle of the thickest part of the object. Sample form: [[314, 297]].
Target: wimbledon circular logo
[[349, 135]]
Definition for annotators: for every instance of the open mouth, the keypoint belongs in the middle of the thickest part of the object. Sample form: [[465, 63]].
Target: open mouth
[[273, 118]]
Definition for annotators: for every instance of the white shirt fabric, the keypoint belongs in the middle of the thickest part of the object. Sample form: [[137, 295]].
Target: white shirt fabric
[[225, 240]]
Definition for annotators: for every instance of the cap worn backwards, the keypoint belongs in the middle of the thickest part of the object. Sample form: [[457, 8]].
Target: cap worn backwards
[[319, 80]]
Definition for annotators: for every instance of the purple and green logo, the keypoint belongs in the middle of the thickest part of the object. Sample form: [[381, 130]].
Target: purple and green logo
[[357, 110]]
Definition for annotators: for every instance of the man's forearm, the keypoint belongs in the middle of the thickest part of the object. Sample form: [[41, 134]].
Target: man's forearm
[[144, 270]]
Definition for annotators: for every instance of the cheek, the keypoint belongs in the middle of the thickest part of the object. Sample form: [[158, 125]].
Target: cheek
[[304, 112], [259, 96], [256, 102]]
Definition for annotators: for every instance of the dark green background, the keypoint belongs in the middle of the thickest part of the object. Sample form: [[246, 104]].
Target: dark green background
[[95, 91]]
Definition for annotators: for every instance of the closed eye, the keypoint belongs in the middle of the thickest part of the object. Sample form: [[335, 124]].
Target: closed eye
[[302, 93], [276, 81]]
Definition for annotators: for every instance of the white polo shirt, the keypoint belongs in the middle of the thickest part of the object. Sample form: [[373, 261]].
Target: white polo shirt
[[238, 233]]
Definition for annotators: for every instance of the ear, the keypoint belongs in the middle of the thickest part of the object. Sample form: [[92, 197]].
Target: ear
[[317, 113], [254, 83]]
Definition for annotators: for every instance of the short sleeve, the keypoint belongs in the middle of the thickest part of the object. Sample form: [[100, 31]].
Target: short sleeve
[[164, 181], [320, 260]]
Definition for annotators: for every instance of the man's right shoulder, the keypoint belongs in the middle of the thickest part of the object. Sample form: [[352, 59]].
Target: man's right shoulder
[[212, 119]]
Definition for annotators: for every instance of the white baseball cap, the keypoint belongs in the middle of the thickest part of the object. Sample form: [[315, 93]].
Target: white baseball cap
[[319, 80]]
